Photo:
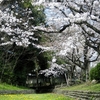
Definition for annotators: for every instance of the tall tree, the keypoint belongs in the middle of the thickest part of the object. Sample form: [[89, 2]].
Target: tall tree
[[19, 40]]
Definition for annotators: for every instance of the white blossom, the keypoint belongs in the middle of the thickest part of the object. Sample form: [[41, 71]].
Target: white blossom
[[55, 70]]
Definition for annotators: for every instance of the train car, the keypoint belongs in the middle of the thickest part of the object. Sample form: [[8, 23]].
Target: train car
[[39, 82]]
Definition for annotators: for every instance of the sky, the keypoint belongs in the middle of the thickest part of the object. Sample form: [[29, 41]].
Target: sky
[[54, 16]]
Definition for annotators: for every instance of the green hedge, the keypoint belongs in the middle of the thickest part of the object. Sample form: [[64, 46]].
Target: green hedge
[[95, 73]]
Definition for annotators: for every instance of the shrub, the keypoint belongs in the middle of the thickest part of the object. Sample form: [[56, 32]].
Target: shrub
[[92, 73], [95, 72]]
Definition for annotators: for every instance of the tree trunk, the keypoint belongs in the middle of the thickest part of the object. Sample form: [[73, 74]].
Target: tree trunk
[[66, 79], [87, 73]]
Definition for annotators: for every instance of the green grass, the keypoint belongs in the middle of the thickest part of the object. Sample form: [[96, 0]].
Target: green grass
[[83, 87], [48, 96], [4, 86]]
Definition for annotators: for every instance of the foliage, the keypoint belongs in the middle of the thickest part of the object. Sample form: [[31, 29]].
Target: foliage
[[44, 58], [95, 72], [92, 73], [37, 12], [49, 96], [60, 61]]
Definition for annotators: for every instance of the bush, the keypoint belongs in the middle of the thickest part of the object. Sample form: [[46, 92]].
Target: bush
[[95, 72], [92, 73]]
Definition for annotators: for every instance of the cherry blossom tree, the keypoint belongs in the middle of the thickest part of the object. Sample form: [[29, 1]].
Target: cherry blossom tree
[[83, 16], [55, 71], [86, 15], [18, 19], [16, 24]]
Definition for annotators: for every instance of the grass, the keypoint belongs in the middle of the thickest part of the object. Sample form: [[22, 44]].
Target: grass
[[4, 86], [84, 87], [48, 96]]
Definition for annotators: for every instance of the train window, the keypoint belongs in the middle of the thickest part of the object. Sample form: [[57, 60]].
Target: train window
[[50, 0], [59, 0]]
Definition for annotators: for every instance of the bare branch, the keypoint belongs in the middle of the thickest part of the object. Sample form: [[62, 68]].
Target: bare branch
[[61, 11]]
